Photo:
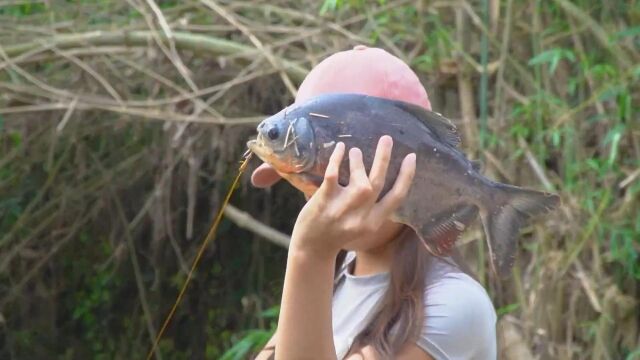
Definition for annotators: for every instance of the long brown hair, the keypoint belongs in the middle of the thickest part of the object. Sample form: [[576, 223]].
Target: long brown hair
[[400, 318]]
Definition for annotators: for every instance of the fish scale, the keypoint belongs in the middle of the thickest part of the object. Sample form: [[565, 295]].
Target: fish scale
[[448, 191]]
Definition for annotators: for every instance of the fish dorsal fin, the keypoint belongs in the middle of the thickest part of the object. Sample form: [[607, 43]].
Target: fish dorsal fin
[[442, 127]]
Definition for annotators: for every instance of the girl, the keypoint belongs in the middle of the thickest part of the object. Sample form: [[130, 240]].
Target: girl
[[357, 285]]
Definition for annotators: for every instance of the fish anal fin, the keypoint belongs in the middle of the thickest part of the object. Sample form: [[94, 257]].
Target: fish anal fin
[[442, 127], [443, 230]]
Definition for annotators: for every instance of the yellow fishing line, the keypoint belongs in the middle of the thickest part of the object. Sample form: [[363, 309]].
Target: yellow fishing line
[[207, 240]]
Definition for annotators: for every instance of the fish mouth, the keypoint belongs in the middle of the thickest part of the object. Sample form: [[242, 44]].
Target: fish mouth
[[258, 147]]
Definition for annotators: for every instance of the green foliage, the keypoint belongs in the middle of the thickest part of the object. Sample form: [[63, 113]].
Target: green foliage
[[22, 9], [561, 107], [552, 57], [253, 339], [333, 5], [507, 309]]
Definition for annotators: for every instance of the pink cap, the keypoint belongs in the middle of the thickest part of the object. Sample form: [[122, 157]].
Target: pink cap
[[363, 70]]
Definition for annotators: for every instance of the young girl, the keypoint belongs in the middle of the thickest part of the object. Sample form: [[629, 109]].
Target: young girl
[[357, 285]]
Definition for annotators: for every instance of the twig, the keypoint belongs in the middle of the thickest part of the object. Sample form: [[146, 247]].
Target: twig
[[595, 97], [192, 189], [351, 21], [243, 76], [588, 287], [254, 40], [187, 41], [629, 179], [67, 115], [170, 52], [321, 22], [499, 105], [513, 344], [42, 55], [143, 113], [99, 78], [35, 201], [496, 163], [465, 91], [535, 165], [246, 221], [186, 95], [601, 35], [136, 267], [573, 253], [4, 54], [35, 268], [582, 55]]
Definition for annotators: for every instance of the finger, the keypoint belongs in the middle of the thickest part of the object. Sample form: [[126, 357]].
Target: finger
[[332, 173], [392, 199], [264, 176], [381, 163], [358, 174]]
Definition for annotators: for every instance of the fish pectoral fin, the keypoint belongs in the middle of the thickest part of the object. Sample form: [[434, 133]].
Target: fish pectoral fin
[[442, 127], [441, 233]]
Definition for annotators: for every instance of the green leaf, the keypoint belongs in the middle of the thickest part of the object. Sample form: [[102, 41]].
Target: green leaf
[[632, 31], [16, 139], [253, 340], [613, 137], [543, 58], [272, 312], [555, 138], [610, 93], [635, 355], [507, 309], [329, 5], [552, 57]]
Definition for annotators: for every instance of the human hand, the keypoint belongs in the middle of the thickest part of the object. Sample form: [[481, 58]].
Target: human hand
[[264, 176], [335, 214]]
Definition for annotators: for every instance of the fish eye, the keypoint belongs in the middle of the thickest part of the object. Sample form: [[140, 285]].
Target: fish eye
[[273, 133]]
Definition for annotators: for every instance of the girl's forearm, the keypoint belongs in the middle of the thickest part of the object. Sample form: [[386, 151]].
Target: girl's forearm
[[304, 326]]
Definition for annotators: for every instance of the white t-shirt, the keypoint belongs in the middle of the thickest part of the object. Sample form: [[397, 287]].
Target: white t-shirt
[[459, 323]]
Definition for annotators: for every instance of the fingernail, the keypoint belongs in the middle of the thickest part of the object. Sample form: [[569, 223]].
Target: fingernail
[[412, 157]]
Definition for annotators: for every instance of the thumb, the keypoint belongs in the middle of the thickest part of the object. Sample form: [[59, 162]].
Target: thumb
[[264, 176]]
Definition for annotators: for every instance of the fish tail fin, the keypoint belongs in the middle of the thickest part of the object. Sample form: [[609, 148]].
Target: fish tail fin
[[502, 221]]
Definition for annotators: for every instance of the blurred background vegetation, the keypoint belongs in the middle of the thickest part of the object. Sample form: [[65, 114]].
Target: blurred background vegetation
[[122, 124]]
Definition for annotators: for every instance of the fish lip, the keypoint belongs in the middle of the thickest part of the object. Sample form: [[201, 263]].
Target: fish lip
[[257, 142]]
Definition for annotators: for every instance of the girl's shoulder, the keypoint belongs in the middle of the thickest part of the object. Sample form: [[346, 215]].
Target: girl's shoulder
[[458, 311]]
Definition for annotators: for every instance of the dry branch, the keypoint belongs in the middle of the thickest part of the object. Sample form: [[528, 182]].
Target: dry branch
[[197, 43], [246, 221]]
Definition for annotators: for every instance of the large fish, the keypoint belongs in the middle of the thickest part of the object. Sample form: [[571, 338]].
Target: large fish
[[448, 190]]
